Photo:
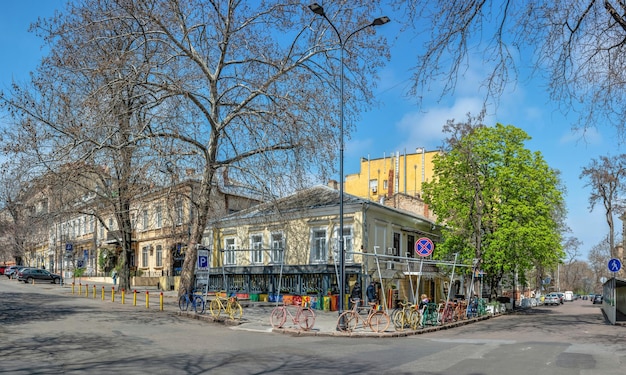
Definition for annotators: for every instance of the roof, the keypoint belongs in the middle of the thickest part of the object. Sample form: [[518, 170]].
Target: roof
[[317, 197]]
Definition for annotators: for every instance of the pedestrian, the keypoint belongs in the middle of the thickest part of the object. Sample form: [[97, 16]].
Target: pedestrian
[[114, 277], [355, 295], [423, 301], [371, 293]]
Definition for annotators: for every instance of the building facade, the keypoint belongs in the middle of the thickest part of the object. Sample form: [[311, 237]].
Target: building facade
[[290, 247]]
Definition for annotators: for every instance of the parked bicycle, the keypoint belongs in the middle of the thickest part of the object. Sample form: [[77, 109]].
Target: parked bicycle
[[191, 299], [304, 317], [229, 305], [376, 320], [446, 312], [430, 315], [408, 316]]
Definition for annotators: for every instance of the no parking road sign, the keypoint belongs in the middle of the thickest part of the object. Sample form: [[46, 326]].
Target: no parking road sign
[[424, 247]]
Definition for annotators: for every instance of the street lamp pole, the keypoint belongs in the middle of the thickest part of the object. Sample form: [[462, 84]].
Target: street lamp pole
[[319, 10]]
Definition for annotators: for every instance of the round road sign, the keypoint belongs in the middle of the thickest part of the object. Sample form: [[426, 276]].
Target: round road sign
[[424, 247]]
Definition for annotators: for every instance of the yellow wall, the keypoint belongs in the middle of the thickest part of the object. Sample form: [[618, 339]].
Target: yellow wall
[[408, 171]]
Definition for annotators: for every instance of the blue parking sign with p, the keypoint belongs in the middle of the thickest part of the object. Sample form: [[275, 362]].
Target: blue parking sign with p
[[203, 260]]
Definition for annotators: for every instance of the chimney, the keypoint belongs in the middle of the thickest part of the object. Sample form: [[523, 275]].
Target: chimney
[[333, 184]]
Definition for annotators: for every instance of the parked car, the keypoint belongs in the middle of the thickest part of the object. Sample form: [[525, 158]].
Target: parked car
[[18, 273], [27, 275], [569, 296], [552, 299], [561, 296], [9, 271], [597, 299]]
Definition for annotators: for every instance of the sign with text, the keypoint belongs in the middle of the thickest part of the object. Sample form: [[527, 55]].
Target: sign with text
[[203, 260]]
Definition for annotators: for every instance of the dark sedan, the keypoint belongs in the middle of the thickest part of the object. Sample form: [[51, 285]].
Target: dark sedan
[[597, 299], [34, 274]]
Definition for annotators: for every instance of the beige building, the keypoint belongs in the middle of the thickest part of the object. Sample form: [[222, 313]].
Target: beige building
[[290, 246]]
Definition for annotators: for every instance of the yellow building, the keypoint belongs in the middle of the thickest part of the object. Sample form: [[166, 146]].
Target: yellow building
[[391, 174]]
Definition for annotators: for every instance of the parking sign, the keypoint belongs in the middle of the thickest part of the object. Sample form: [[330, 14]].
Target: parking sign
[[203, 260]]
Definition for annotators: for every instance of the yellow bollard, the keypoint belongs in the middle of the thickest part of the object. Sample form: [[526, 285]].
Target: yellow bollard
[[103, 292], [33, 281], [135, 297], [147, 300], [112, 294], [123, 295], [86, 290], [161, 302], [72, 288], [80, 289], [94, 291]]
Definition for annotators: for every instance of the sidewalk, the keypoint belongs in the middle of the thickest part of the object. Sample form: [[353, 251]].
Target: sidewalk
[[256, 316]]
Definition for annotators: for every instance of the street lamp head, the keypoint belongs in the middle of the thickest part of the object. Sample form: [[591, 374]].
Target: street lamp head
[[317, 9], [380, 21]]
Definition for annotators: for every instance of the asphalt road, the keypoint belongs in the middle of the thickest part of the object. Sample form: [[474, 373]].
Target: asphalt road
[[46, 330]]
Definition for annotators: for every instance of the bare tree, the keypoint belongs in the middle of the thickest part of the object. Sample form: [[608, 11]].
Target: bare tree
[[578, 46], [211, 84], [598, 259], [605, 176]]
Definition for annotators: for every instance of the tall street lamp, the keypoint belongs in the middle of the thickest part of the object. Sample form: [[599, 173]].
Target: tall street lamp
[[319, 10]]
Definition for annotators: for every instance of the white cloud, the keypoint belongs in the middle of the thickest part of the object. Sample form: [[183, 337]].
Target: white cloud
[[425, 128]]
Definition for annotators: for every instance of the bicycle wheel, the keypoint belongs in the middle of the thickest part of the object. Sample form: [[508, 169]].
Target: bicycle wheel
[[379, 321], [198, 304], [278, 317], [306, 319], [215, 307], [350, 321], [183, 302], [399, 320], [235, 311], [414, 319]]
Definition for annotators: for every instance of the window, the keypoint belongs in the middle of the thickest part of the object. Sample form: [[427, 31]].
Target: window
[[318, 246], [178, 212], [347, 245], [256, 249], [374, 186], [278, 248], [144, 256], [144, 219], [91, 221], [158, 213], [229, 251], [159, 256]]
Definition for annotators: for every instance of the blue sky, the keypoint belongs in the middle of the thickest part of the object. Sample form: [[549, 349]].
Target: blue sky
[[398, 125]]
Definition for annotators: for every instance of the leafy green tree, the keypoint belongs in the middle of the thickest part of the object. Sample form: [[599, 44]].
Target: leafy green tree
[[500, 203]]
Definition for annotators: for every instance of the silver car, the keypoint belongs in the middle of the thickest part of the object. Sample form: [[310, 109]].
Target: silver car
[[552, 299]]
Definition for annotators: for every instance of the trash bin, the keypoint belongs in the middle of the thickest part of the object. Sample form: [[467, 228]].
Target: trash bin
[[254, 297], [326, 303], [334, 302]]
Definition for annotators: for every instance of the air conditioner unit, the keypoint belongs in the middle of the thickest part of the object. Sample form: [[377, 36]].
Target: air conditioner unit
[[374, 190], [390, 250], [390, 265]]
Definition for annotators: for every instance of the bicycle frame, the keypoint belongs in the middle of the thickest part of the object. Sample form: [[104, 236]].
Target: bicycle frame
[[229, 305], [304, 317]]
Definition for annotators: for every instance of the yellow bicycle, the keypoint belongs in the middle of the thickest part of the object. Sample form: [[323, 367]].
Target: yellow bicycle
[[229, 305], [406, 317]]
